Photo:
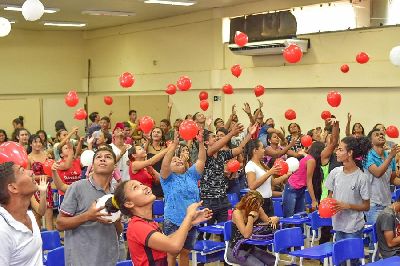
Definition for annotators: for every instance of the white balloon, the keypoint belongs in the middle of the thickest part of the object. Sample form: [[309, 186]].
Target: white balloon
[[293, 164], [32, 10], [394, 56], [87, 157], [5, 27], [101, 202]]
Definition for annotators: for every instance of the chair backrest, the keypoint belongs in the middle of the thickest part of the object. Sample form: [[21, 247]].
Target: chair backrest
[[125, 263], [346, 249], [287, 238], [374, 234], [227, 231], [50, 239], [307, 198], [158, 207], [55, 257], [317, 221], [278, 209], [233, 199]]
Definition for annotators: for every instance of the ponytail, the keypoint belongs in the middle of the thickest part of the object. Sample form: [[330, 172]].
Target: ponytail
[[117, 201]]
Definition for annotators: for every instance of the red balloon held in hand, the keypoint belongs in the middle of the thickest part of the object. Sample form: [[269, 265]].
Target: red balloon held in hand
[[126, 80], [171, 89], [13, 152], [80, 114], [292, 53], [241, 38], [188, 129], [204, 105], [108, 100], [326, 208], [306, 141], [146, 124], [290, 114], [325, 115], [47, 167], [71, 99], [227, 89], [259, 90], [283, 165], [345, 68], [203, 95], [184, 83], [334, 98], [362, 58], [392, 132], [233, 166], [236, 70]]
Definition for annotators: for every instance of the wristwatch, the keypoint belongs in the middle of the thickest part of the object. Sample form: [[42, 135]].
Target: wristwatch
[[252, 215]]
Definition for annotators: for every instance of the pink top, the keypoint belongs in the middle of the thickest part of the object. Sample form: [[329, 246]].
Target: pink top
[[298, 179]]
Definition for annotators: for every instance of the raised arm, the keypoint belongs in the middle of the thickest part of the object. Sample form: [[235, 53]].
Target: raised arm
[[237, 128], [137, 165], [278, 153], [166, 163], [79, 147], [68, 137], [229, 122], [169, 111], [40, 207], [348, 133], [67, 164], [380, 171], [330, 148], [60, 185], [239, 149], [201, 159], [247, 110]]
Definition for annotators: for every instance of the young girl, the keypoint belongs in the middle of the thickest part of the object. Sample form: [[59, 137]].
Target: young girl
[[3, 136], [147, 244], [244, 218], [349, 185], [357, 130], [63, 137], [274, 150]]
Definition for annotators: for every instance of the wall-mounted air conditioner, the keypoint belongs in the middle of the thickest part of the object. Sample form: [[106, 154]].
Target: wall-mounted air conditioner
[[268, 47]]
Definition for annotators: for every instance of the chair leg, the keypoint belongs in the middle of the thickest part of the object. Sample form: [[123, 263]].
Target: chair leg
[[313, 238], [276, 259], [375, 251], [326, 263], [194, 258], [362, 261]]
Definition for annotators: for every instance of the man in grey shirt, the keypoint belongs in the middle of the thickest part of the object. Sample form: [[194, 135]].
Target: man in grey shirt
[[388, 230], [90, 239]]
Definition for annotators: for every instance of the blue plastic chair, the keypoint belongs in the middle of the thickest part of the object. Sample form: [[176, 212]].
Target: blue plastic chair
[[348, 249], [125, 263], [316, 223], [285, 239], [308, 199], [233, 199], [207, 251], [55, 257], [51, 240], [396, 194], [374, 236], [227, 238], [158, 211], [278, 209]]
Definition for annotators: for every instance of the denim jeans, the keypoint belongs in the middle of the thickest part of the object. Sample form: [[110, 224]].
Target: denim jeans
[[293, 200], [342, 235], [374, 211]]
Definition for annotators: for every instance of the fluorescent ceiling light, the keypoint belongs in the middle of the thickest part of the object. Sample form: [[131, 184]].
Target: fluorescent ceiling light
[[171, 2], [47, 10], [108, 13], [64, 24]]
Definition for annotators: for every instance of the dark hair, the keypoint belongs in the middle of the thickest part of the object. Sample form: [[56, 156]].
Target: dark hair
[[288, 128], [162, 142], [131, 152], [33, 138], [105, 148], [270, 136], [207, 134], [58, 134], [132, 111], [106, 118], [6, 177], [360, 148], [180, 148], [127, 124], [5, 134], [59, 125], [249, 147], [225, 131], [371, 132], [352, 130], [378, 124], [45, 136], [187, 116], [93, 116], [19, 121], [119, 198], [166, 121], [17, 132], [217, 120], [194, 116]]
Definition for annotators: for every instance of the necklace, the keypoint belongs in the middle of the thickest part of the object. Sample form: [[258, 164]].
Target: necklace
[[155, 148]]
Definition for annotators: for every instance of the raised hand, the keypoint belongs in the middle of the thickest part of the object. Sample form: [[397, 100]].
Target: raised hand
[[43, 184], [247, 108], [200, 135], [237, 128], [252, 129]]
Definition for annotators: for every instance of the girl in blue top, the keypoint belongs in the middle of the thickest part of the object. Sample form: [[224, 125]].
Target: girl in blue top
[[180, 186]]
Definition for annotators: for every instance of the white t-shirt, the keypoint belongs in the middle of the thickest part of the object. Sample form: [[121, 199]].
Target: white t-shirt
[[265, 188], [19, 245], [122, 164]]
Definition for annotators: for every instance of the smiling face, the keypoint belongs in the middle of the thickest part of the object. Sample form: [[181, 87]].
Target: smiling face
[[137, 195], [270, 122], [140, 153], [37, 144], [219, 124], [358, 128], [156, 134], [177, 165], [24, 182], [104, 162], [378, 138], [274, 139], [164, 127], [200, 118], [294, 128]]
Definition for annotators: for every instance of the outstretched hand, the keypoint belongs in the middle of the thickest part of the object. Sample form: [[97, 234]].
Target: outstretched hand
[[198, 216]]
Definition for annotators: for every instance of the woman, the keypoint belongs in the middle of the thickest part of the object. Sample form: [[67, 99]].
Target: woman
[[180, 186], [259, 176], [3, 136], [145, 239], [350, 186], [18, 122], [274, 150], [302, 179], [244, 218], [47, 143], [22, 137], [36, 159], [295, 132], [357, 130]]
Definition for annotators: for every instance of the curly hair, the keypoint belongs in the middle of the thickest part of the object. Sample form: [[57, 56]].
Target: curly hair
[[252, 201]]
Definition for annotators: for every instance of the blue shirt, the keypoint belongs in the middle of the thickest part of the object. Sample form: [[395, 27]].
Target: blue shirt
[[180, 190]]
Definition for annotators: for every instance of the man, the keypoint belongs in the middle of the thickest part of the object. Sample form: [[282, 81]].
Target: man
[[165, 126], [89, 238], [388, 230], [105, 123], [20, 239], [136, 133], [94, 126]]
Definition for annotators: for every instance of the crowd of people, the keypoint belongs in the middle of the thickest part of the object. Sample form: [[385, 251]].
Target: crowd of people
[[358, 170]]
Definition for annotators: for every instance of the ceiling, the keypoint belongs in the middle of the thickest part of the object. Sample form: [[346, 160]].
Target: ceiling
[[70, 10]]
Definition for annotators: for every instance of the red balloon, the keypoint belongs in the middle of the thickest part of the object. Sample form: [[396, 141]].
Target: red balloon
[[108, 100], [326, 208], [13, 152], [146, 124], [204, 105], [362, 58], [392, 132], [47, 167], [283, 165], [259, 90], [306, 141], [171, 89], [188, 129], [334, 98], [345, 68], [227, 89], [80, 114], [203, 95], [126, 80], [71, 99], [325, 115], [290, 114], [233, 166], [292, 53], [236, 70], [241, 38], [184, 83]]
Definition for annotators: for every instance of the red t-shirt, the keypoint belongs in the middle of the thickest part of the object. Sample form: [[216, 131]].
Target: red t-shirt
[[142, 176], [70, 175], [138, 234]]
